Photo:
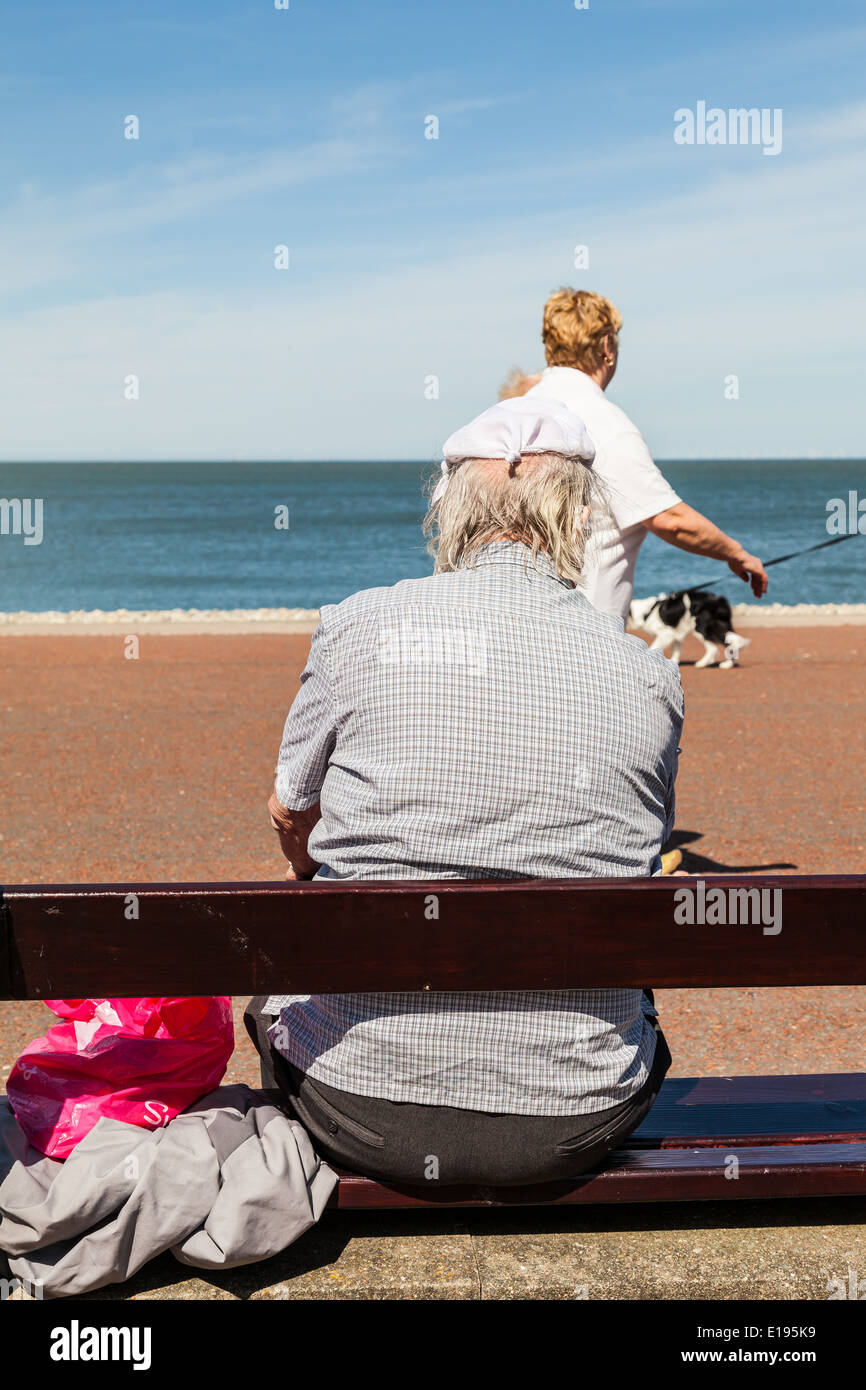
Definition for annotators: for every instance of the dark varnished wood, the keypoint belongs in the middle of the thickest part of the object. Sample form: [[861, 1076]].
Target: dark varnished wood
[[199, 938], [649, 1175], [715, 1111], [792, 1136]]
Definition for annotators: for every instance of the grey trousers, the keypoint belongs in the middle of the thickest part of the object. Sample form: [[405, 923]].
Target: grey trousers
[[427, 1145]]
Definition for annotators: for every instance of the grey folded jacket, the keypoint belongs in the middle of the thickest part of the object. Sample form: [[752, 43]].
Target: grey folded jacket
[[230, 1181]]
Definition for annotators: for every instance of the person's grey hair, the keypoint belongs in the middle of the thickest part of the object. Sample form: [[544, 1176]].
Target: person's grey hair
[[538, 503]]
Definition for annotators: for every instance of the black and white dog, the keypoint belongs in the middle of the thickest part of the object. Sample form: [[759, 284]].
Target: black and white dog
[[671, 617]]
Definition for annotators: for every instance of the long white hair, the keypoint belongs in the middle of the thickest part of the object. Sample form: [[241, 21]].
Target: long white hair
[[539, 502]]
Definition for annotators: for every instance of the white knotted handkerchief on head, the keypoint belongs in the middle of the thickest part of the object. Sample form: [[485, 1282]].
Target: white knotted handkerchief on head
[[523, 425]]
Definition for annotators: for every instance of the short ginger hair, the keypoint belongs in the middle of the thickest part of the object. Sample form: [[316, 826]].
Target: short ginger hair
[[575, 325], [517, 383]]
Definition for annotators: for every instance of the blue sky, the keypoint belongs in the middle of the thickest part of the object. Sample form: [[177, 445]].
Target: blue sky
[[413, 257]]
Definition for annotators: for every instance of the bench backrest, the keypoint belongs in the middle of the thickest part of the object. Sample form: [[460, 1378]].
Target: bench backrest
[[246, 938]]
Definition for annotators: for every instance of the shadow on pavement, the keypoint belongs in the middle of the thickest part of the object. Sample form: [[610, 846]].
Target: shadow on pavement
[[694, 863]]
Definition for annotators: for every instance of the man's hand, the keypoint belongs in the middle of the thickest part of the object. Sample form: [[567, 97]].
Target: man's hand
[[749, 567], [293, 829]]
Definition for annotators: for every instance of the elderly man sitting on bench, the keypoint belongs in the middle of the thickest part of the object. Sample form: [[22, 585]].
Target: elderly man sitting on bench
[[483, 723]]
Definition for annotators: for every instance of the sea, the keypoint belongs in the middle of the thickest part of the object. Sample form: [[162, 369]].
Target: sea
[[157, 536]]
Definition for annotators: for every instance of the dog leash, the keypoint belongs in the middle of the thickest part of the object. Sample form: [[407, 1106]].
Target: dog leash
[[780, 560]]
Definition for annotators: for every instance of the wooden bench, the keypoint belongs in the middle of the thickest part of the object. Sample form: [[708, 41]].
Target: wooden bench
[[783, 1136]]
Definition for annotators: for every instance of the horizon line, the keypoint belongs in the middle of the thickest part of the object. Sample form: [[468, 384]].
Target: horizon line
[[423, 463]]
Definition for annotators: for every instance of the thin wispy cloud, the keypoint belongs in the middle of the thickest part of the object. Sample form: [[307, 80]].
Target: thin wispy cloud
[[95, 215], [414, 257]]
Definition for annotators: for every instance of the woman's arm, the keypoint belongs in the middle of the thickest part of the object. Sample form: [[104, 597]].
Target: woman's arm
[[687, 529]]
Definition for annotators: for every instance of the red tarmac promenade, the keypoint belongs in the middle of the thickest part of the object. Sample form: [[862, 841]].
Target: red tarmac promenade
[[159, 769]]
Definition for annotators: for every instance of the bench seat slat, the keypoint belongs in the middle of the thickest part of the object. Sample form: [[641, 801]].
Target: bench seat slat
[[648, 1175], [792, 1136], [755, 1110]]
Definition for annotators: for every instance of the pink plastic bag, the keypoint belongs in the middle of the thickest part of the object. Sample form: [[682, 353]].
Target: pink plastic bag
[[138, 1060]]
